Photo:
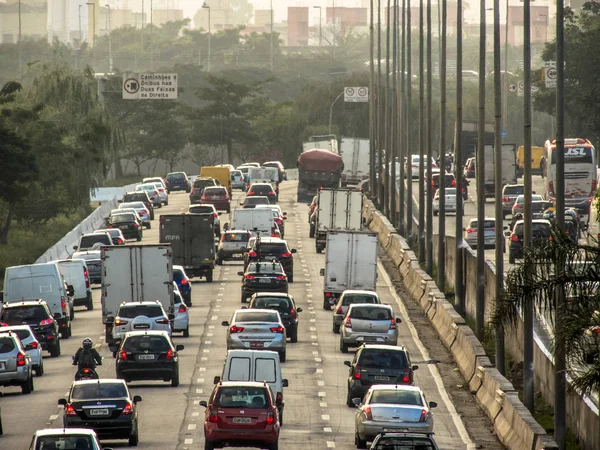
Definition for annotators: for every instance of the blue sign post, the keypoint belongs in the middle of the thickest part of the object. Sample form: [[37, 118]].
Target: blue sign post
[[504, 134]]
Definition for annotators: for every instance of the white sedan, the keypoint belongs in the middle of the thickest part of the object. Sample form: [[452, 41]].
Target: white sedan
[[450, 197], [181, 323]]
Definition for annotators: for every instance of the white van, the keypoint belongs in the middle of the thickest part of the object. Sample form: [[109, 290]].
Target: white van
[[257, 220], [256, 365], [40, 281], [76, 274]]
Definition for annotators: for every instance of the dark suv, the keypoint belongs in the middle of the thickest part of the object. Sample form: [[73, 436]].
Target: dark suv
[[140, 196], [378, 364], [128, 224], [177, 181], [285, 305], [272, 249], [263, 277], [263, 189], [198, 188], [37, 315], [541, 233]]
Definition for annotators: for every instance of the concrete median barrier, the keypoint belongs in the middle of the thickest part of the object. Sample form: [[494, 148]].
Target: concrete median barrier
[[468, 352], [446, 321], [490, 387]]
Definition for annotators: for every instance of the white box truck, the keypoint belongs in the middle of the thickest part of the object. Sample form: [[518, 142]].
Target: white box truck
[[326, 142], [253, 220], [135, 273], [355, 154], [350, 263], [338, 209], [509, 167]]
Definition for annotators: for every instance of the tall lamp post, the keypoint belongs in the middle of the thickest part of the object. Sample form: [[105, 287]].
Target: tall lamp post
[[209, 34], [93, 5], [320, 23], [110, 58], [20, 45], [80, 35], [271, 35]]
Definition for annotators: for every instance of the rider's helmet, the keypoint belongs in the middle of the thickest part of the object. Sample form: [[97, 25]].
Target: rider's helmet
[[87, 343]]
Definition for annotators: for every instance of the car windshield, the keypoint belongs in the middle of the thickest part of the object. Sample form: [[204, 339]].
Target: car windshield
[[273, 249], [358, 298], [89, 240], [537, 229], [260, 267], [22, 314], [404, 443], [236, 237], [65, 442], [489, 224], [370, 313], [146, 187], [215, 191], [257, 200], [131, 312], [513, 190], [538, 207], [7, 344], [176, 176], [276, 303], [256, 316], [201, 209], [134, 205], [121, 218], [242, 397], [87, 391], [383, 359], [203, 183], [91, 256], [114, 232], [23, 334], [141, 196], [396, 396], [146, 342]]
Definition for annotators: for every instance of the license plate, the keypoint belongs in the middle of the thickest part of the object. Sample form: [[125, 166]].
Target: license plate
[[242, 420], [143, 325], [146, 357], [370, 338], [257, 344], [236, 255], [99, 412], [379, 378], [264, 280]]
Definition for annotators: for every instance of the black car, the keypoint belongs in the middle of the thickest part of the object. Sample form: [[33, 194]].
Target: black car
[[37, 315], [251, 202], [198, 188], [148, 355], [541, 234], [178, 181], [128, 224], [272, 249], [450, 181], [406, 440], [140, 196], [285, 305], [377, 364], [263, 190], [263, 277], [106, 406]]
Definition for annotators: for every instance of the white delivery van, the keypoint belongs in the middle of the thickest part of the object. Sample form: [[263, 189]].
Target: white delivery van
[[259, 366], [76, 274], [253, 220], [40, 281]]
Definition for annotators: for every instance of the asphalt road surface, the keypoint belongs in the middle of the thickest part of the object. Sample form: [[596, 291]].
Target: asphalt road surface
[[316, 416]]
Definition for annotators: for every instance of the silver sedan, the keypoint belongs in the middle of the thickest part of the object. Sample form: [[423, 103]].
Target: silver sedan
[[393, 408], [368, 324], [349, 297]]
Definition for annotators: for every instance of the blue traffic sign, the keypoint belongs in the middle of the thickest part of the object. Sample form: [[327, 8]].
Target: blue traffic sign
[[504, 134]]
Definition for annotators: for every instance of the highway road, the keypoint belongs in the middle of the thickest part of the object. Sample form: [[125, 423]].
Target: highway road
[[316, 416]]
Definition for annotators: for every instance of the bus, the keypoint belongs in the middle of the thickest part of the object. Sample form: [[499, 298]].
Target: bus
[[581, 174]]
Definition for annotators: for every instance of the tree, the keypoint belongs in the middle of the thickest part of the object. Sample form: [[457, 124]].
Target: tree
[[226, 119]]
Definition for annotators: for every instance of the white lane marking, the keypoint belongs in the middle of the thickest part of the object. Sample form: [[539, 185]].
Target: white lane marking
[[330, 444], [320, 383], [189, 441], [315, 353], [202, 369], [209, 335], [324, 416], [313, 320], [309, 295], [323, 405], [214, 317], [211, 327], [321, 394], [315, 343], [192, 426], [97, 346], [203, 358], [318, 360], [199, 391], [53, 417], [195, 413], [313, 337], [200, 380], [319, 370], [435, 373], [327, 429], [313, 328], [207, 342], [206, 350]]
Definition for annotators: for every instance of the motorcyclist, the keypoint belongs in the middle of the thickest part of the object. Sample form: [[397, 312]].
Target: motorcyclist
[[87, 356]]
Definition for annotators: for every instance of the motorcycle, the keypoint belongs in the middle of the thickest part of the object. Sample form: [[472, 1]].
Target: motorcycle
[[85, 373]]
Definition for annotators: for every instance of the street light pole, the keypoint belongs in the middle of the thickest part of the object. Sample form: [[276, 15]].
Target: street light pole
[[331, 109], [93, 5], [80, 36], [321, 24], [110, 58], [388, 118], [428, 137], [20, 45], [441, 271], [206, 6], [422, 143], [372, 99], [271, 35], [407, 123], [151, 37]]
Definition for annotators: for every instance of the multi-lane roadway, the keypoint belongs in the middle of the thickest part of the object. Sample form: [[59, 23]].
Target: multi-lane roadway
[[316, 414]]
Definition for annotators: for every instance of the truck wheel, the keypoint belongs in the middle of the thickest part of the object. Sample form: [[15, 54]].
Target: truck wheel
[[219, 262], [311, 233], [186, 332], [319, 249], [209, 276], [55, 350], [64, 333], [343, 347], [326, 305], [90, 305]]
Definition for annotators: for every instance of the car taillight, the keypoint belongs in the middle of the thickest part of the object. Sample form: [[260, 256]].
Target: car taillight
[[415, 166], [436, 198], [213, 418], [70, 411], [286, 255], [551, 186], [356, 372], [234, 329], [506, 199], [340, 310], [143, 211], [424, 415], [46, 321], [86, 370], [278, 329], [194, 191], [136, 225], [270, 418], [251, 193], [215, 215], [514, 237], [406, 377], [182, 308], [249, 277], [184, 281], [432, 183], [161, 190], [163, 321], [392, 324], [121, 321], [170, 354], [34, 345], [63, 304], [593, 191], [281, 277], [128, 409], [327, 294], [271, 193], [155, 193], [87, 277], [123, 355], [348, 323], [252, 254], [20, 359], [110, 226], [293, 314], [367, 413], [279, 397], [453, 183], [471, 230]]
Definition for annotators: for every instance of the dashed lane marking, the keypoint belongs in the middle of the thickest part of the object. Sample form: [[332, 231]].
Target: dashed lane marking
[[53, 417], [318, 360], [199, 391], [323, 405], [320, 383], [202, 369], [321, 394], [195, 414], [319, 370], [192, 426], [327, 430], [330, 444], [189, 441], [200, 380], [324, 416]]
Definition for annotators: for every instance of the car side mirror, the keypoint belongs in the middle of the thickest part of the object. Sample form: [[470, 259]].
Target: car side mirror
[[357, 401], [507, 233], [137, 398], [217, 380], [414, 368], [171, 316], [62, 401], [179, 347], [285, 214], [243, 249], [225, 323], [203, 403], [241, 274], [285, 382], [244, 307], [220, 214], [432, 404], [284, 218], [505, 227], [398, 320], [294, 250], [299, 309], [29, 347], [348, 363], [110, 320], [322, 272], [70, 290], [74, 247], [57, 316]]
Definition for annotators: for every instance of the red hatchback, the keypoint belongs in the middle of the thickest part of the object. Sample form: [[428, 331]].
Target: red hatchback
[[241, 414], [218, 196]]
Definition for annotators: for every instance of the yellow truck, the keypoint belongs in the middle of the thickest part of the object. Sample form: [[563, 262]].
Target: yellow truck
[[536, 157], [220, 173]]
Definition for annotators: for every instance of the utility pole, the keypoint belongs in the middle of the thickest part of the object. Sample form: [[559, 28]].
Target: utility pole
[[441, 271], [321, 22], [333, 18], [499, 249], [21, 45], [151, 37], [331, 110], [110, 56], [459, 299], [528, 382], [394, 147], [93, 5], [402, 128], [388, 119], [206, 6], [271, 38], [80, 35], [422, 143], [143, 24], [480, 167], [560, 416], [380, 114], [372, 100], [407, 125], [429, 199]]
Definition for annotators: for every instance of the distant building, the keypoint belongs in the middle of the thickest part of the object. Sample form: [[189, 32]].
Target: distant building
[[33, 21], [262, 18], [297, 26], [349, 17], [539, 24], [162, 16]]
